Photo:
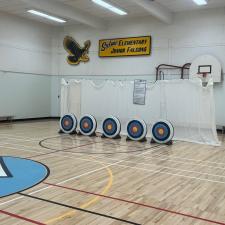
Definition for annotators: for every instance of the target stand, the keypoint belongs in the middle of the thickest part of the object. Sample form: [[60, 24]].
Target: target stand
[[162, 132], [111, 128], [68, 124], [136, 130], [88, 125]]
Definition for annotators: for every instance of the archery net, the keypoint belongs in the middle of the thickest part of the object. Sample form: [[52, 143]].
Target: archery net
[[185, 103]]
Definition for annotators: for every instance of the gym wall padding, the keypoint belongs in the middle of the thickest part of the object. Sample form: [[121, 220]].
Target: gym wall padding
[[25, 95], [185, 103]]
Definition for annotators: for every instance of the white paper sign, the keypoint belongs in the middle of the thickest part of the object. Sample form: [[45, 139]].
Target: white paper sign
[[139, 92]]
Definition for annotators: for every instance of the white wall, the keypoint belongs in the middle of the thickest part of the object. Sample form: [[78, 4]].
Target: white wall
[[190, 35], [25, 48], [32, 47]]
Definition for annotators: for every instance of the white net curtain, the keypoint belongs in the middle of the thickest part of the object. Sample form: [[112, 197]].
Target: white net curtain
[[185, 103]]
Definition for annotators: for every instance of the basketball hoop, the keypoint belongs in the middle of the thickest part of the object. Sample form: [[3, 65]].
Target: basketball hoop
[[203, 75], [206, 67]]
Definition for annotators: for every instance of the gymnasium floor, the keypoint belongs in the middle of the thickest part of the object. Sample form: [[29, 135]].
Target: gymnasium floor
[[98, 181]]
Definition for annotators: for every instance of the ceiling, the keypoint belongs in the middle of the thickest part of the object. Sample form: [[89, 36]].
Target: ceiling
[[185, 5], [90, 7], [19, 8]]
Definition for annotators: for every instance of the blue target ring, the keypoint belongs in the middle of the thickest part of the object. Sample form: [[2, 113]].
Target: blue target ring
[[88, 125], [111, 127], [162, 131], [136, 129], [68, 123]]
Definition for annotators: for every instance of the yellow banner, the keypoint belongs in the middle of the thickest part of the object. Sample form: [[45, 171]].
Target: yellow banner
[[133, 46]]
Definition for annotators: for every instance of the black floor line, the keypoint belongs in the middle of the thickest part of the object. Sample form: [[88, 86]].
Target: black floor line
[[66, 151], [48, 153], [80, 209], [93, 153]]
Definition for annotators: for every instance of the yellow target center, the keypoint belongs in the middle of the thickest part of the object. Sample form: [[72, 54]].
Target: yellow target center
[[160, 131], [66, 123], [86, 125], [135, 129], [109, 126]]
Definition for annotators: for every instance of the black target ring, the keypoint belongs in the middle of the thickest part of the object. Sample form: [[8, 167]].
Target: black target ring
[[162, 131], [68, 123], [136, 129], [111, 127], [88, 125]]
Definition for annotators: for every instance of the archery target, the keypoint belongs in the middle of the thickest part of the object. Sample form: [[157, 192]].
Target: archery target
[[111, 127], [162, 131], [88, 125], [136, 129], [68, 123]]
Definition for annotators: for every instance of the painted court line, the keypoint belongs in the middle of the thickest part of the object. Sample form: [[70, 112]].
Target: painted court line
[[138, 168], [37, 139], [25, 137], [79, 209], [99, 142], [138, 203], [189, 171], [20, 217], [189, 159], [88, 142], [166, 167], [2, 144], [149, 170], [172, 174], [64, 135], [20, 149], [67, 180], [187, 163], [62, 182], [165, 210]]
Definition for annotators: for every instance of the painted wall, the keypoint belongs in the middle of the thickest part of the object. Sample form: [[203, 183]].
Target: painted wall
[[190, 35], [35, 48], [25, 48]]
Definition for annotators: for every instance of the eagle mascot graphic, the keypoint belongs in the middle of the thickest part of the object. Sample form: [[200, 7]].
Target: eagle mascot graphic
[[77, 54]]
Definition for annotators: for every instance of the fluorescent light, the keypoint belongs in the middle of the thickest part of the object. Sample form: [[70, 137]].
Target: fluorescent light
[[56, 19], [200, 2], [110, 7]]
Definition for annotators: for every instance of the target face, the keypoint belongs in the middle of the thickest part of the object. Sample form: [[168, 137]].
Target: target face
[[68, 123], [162, 131], [88, 125], [136, 130], [111, 127]]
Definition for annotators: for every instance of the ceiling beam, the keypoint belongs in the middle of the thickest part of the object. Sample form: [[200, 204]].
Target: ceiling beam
[[157, 10], [64, 11]]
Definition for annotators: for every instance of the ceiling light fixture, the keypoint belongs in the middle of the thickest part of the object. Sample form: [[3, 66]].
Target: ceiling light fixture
[[42, 14], [200, 2], [110, 7]]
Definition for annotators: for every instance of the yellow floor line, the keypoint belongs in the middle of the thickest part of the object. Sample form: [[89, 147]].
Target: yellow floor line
[[87, 204]]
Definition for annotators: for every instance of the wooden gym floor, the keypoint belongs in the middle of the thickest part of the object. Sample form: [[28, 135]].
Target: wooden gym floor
[[98, 181]]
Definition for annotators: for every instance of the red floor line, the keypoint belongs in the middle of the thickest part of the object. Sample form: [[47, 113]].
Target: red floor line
[[139, 204], [20, 217]]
